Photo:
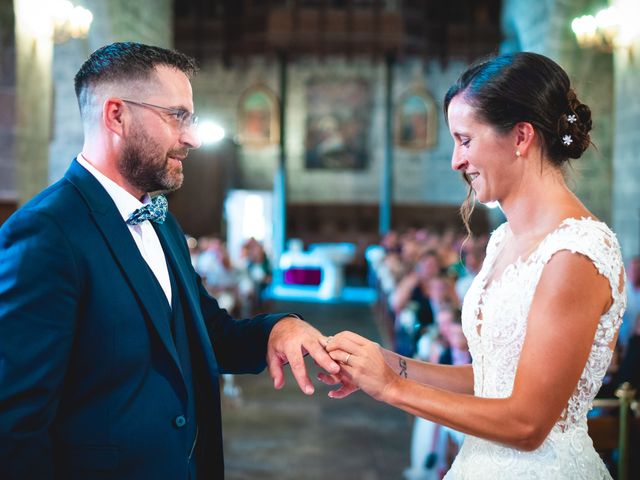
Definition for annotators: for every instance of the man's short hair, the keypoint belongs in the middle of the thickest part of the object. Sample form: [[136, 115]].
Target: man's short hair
[[127, 62]]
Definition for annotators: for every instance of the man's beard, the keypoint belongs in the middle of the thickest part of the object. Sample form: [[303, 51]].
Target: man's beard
[[146, 167]]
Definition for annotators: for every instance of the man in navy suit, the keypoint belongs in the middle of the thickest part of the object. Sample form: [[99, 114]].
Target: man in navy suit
[[110, 348]]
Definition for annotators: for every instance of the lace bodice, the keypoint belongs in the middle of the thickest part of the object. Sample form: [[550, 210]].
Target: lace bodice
[[494, 318]]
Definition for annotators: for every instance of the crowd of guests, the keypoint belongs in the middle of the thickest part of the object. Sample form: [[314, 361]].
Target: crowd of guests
[[625, 364], [422, 277], [238, 287]]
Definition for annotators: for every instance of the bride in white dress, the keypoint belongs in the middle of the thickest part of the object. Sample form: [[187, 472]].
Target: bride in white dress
[[542, 315]]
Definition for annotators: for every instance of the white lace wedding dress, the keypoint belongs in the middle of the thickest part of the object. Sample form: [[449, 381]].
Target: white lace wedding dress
[[494, 320]]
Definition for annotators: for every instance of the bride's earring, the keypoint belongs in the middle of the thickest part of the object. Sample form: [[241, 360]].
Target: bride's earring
[[518, 153]]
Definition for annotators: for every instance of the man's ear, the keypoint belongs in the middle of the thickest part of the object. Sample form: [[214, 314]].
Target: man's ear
[[114, 116], [524, 137]]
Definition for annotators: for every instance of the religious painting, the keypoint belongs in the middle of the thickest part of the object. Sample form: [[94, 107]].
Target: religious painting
[[258, 117], [337, 124], [416, 120]]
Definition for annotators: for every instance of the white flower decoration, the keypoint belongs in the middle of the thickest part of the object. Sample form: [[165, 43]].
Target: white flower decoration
[[572, 118], [567, 140]]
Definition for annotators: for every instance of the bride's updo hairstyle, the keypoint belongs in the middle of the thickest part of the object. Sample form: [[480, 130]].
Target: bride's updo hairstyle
[[526, 87]]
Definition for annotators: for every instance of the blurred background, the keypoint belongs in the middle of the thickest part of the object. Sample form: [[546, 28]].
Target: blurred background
[[324, 185]]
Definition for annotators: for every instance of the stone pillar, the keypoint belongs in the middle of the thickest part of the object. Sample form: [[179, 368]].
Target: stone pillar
[[145, 21], [626, 146], [8, 191], [34, 53], [546, 29]]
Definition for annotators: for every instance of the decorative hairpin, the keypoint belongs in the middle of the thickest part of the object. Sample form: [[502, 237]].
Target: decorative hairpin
[[567, 140], [571, 119]]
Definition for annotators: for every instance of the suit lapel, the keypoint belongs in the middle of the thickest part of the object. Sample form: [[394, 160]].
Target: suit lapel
[[125, 251], [183, 272]]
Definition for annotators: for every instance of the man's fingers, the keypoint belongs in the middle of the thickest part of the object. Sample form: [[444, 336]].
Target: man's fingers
[[322, 358], [299, 370], [275, 370]]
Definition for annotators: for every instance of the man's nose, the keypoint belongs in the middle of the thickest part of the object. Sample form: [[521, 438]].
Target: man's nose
[[190, 137]]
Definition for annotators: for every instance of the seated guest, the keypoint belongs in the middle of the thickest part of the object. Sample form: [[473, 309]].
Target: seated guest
[[472, 256], [434, 340], [255, 272], [633, 302], [430, 441], [411, 300], [629, 370]]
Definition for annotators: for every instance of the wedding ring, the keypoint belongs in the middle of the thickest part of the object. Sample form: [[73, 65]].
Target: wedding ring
[[326, 343], [346, 360]]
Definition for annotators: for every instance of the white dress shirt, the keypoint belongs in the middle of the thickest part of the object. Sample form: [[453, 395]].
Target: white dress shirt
[[143, 234]]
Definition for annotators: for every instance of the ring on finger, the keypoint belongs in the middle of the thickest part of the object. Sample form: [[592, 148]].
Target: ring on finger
[[346, 360], [326, 343]]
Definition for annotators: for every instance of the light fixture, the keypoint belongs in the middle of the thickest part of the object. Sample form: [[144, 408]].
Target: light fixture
[[69, 21], [210, 132], [611, 28]]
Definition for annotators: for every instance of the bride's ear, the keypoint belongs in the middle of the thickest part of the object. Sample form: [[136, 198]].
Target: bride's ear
[[524, 137]]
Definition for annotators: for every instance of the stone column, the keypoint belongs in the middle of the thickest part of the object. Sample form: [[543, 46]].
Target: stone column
[[34, 54], [8, 192], [145, 21], [546, 29], [626, 143]]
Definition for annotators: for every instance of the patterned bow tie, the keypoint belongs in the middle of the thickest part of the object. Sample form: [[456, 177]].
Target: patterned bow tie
[[155, 211]]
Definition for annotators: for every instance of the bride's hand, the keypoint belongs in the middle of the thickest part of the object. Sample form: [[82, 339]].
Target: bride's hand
[[346, 386], [362, 365]]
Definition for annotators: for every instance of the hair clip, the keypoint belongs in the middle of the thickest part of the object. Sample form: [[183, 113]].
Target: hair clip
[[567, 140], [572, 118]]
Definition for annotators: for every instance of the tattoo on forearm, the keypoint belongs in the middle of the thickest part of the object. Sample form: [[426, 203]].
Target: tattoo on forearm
[[403, 367]]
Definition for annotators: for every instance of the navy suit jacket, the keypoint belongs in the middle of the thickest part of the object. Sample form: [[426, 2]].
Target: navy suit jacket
[[90, 382]]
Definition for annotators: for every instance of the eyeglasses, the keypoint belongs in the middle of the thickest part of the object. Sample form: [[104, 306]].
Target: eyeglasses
[[185, 118]]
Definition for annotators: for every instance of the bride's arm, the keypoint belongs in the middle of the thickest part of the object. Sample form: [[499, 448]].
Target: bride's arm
[[458, 378], [569, 300]]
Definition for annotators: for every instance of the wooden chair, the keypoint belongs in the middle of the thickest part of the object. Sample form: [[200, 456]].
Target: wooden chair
[[611, 432]]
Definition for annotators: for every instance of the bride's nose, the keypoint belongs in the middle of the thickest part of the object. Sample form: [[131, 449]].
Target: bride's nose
[[458, 162]]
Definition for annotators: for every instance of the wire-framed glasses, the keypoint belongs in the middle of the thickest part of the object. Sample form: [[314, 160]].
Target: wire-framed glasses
[[185, 118]]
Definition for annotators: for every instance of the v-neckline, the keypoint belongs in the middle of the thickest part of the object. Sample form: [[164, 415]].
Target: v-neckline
[[519, 261], [515, 265]]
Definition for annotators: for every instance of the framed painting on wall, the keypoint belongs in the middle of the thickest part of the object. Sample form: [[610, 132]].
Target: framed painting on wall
[[258, 117], [416, 120], [337, 125]]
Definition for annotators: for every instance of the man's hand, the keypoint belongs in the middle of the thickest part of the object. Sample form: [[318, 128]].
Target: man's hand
[[290, 340]]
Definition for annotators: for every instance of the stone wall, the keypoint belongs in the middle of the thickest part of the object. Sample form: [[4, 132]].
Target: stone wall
[[626, 148], [33, 100], [546, 29], [8, 192], [423, 176], [607, 178], [146, 21]]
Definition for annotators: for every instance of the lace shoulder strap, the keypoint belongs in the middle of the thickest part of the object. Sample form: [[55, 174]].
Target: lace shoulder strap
[[496, 238], [592, 239]]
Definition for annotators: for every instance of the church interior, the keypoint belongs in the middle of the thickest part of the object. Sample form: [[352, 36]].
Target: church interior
[[324, 177]]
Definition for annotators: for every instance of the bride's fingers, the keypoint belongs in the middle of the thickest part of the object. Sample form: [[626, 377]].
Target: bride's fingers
[[328, 379], [343, 344], [341, 356], [343, 391], [352, 337]]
